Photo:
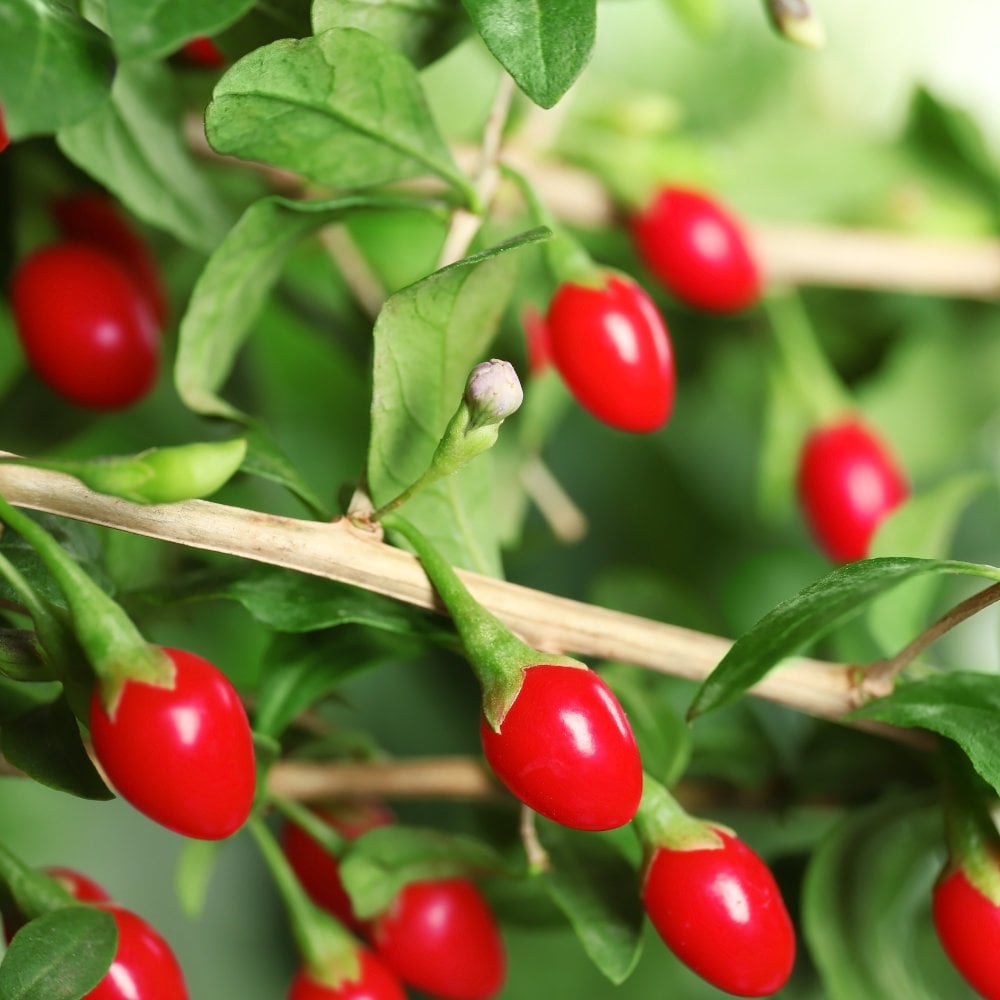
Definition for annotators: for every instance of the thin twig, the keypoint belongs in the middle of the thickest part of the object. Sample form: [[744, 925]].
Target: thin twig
[[353, 267], [879, 679], [465, 224], [563, 516], [537, 856], [340, 551]]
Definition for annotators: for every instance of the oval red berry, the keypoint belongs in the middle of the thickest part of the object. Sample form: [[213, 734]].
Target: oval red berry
[[87, 331], [968, 927], [144, 967], [720, 912], [441, 937], [374, 982], [566, 749], [92, 217], [612, 349], [698, 250], [848, 483], [184, 756]]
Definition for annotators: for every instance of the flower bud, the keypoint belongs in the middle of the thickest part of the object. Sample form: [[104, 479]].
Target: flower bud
[[493, 392]]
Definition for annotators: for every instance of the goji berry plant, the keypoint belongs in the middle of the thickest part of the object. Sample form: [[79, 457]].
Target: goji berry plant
[[498, 499]]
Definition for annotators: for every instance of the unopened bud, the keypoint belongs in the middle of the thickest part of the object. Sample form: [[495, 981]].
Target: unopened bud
[[798, 22], [493, 392]]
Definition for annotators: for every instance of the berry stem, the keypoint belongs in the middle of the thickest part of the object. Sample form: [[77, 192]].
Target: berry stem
[[321, 832], [819, 387], [113, 645], [661, 821], [498, 658], [328, 949]]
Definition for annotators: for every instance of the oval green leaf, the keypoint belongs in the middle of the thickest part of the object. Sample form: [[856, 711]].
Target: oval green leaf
[[62, 955], [146, 29]]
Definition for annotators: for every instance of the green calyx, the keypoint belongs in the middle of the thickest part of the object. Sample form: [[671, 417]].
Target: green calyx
[[326, 946], [497, 657], [156, 475], [972, 835], [661, 821], [110, 641], [492, 393]]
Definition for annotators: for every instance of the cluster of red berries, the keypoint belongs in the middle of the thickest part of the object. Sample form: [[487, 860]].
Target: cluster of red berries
[[437, 935], [143, 967]]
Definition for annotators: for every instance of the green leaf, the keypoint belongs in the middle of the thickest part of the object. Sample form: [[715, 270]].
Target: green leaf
[[342, 108], [134, 147], [16, 697], [544, 46], [428, 337], [21, 657], [422, 30], [194, 873], [235, 284], [964, 706], [286, 601], [146, 29], [299, 672], [378, 864], [45, 743], [923, 526], [264, 458], [62, 955], [866, 906], [597, 890], [809, 615], [56, 67]]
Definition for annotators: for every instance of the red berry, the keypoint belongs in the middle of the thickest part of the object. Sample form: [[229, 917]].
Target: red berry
[[441, 937], [316, 870], [968, 926], [80, 887], [4, 138], [698, 250], [848, 483], [144, 967], [184, 756], [375, 982], [566, 749], [203, 51], [85, 328], [536, 335], [611, 347], [720, 912], [92, 218]]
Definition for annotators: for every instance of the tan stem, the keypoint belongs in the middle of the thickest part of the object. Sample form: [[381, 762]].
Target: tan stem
[[538, 857], [356, 556]]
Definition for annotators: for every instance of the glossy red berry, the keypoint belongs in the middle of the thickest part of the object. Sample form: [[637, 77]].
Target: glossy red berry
[[698, 250], [93, 218], [4, 138], [848, 483], [87, 331], [374, 982], [203, 51], [184, 756], [611, 347], [144, 967], [968, 927], [566, 749], [441, 937], [720, 912], [319, 872]]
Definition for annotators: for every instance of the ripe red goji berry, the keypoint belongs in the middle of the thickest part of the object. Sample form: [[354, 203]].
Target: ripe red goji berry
[[203, 51], [612, 349], [719, 910], [91, 217], [698, 250], [87, 331], [968, 926], [848, 483], [374, 982], [184, 755], [566, 749]]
